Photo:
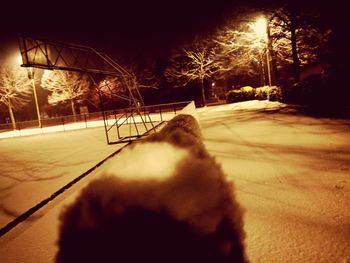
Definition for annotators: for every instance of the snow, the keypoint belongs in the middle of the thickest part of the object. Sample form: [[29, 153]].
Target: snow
[[34, 167], [163, 160], [291, 174]]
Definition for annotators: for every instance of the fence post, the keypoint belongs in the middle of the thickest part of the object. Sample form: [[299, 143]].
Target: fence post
[[85, 120], [41, 126], [115, 117], [19, 128], [160, 111], [64, 129], [144, 114]]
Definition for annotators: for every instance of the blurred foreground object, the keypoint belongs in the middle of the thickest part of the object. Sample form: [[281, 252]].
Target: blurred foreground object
[[164, 199]]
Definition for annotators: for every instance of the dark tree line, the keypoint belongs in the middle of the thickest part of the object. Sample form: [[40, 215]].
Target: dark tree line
[[296, 34]]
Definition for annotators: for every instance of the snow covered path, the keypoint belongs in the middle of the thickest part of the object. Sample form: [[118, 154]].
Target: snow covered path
[[292, 175], [34, 167]]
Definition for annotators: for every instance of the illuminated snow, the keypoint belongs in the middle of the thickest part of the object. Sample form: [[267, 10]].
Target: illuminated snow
[[291, 174], [146, 161]]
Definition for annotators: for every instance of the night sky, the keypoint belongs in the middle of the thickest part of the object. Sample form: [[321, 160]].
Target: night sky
[[137, 26], [150, 27]]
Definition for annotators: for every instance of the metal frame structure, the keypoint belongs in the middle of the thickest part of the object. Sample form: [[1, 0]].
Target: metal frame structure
[[51, 55]]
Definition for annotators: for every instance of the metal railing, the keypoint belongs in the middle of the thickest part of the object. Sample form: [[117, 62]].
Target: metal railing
[[54, 121], [131, 123], [94, 119]]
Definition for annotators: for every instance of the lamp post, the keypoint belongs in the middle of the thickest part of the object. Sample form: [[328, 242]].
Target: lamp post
[[261, 30], [30, 71], [268, 54], [31, 77]]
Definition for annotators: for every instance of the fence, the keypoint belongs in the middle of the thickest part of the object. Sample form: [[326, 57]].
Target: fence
[[158, 113], [131, 123]]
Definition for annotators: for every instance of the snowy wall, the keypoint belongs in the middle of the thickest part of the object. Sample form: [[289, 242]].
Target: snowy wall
[[161, 200], [190, 109]]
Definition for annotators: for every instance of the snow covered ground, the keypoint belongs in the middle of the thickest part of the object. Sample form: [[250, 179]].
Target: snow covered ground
[[292, 175], [34, 167]]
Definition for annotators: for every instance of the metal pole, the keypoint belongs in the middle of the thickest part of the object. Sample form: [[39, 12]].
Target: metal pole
[[263, 80], [160, 110], [31, 76], [268, 65], [268, 52]]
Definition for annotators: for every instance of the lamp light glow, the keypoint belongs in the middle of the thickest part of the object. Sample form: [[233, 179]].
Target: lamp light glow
[[259, 28]]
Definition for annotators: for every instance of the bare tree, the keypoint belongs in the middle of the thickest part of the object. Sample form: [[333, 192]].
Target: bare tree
[[65, 86], [294, 41], [241, 47], [296, 35], [140, 79], [15, 88], [135, 81], [195, 62], [290, 37]]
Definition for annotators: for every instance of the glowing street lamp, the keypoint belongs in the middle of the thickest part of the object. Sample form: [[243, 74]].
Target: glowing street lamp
[[260, 28]]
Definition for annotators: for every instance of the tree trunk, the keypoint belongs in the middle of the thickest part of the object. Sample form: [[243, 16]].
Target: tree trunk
[[203, 93], [12, 116], [296, 61], [73, 109], [274, 71]]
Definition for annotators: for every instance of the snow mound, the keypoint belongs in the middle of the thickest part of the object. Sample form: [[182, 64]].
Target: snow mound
[[257, 104], [245, 105], [162, 200]]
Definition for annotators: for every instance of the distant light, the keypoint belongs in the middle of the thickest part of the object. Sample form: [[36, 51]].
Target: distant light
[[14, 60], [259, 27], [18, 59], [213, 84]]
